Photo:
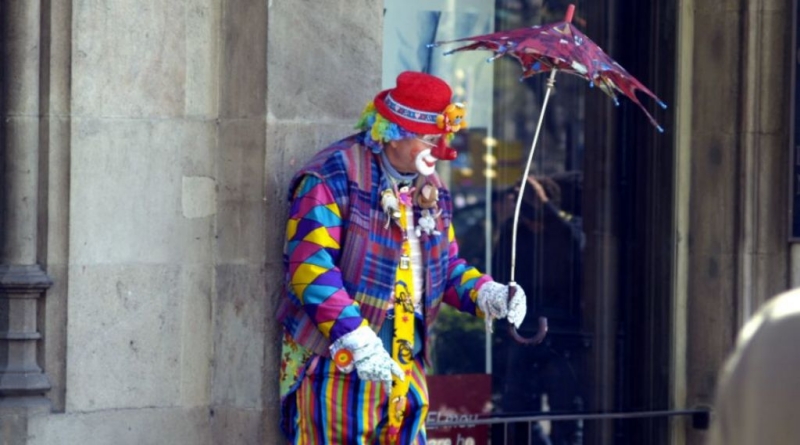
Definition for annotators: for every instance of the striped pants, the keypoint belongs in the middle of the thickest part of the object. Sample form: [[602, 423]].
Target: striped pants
[[331, 407]]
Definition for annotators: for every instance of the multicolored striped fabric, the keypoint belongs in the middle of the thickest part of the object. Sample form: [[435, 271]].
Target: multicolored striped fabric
[[368, 250], [337, 408], [341, 259], [313, 233]]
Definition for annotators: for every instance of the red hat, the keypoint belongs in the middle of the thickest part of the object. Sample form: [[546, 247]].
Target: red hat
[[416, 102]]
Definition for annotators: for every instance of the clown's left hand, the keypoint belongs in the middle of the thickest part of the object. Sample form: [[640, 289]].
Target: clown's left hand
[[493, 301]]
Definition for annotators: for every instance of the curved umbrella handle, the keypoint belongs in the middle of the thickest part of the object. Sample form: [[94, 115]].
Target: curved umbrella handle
[[512, 331]]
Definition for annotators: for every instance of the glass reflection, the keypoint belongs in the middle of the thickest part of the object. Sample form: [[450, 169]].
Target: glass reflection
[[574, 369]]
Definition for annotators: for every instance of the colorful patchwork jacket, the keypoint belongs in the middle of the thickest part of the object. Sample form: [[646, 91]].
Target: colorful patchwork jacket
[[341, 257]]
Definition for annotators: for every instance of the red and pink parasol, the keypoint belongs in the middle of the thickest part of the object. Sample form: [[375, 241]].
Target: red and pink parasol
[[551, 48]]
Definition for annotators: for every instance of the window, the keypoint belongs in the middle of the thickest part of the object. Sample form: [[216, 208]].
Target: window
[[587, 258]]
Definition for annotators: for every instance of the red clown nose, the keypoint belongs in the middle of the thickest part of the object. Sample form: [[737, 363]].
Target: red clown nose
[[443, 152]]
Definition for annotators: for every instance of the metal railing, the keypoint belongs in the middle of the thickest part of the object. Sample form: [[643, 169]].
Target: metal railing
[[700, 418]]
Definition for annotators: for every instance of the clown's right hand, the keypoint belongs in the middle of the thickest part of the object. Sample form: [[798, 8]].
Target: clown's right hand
[[494, 302], [369, 356]]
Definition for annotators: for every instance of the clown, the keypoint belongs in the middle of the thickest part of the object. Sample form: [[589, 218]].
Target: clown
[[362, 293]]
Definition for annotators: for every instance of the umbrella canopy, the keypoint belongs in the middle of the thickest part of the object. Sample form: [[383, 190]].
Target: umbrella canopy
[[563, 47], [555, 47]]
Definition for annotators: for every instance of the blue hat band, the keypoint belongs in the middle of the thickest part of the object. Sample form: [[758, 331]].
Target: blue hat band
[[409, 113]]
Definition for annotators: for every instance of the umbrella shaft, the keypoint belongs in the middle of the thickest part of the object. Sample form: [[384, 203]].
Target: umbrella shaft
[[551, 81]]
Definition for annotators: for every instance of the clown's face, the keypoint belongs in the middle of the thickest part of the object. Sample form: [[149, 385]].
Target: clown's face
[[412, 155]]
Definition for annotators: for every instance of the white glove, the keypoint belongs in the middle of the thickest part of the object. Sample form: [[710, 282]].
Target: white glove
[[369, 356], [493, 301]]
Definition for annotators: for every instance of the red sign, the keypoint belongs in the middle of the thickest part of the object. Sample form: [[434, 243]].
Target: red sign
[[459, 398]]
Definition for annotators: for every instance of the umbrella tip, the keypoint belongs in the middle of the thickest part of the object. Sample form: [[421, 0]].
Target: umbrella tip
[[659, 128], [663, 105], [616, 101], [570, 13], [432, 45], [591, 84], [448, 53]]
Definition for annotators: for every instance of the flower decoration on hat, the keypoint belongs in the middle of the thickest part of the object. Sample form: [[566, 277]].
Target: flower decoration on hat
[[379, 130]]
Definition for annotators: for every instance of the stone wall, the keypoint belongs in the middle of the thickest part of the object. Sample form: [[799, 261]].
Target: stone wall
[[169, 131], [165, 134], [735, 147]]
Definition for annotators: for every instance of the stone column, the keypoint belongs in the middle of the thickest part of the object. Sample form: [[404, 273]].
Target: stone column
[[22, 281]]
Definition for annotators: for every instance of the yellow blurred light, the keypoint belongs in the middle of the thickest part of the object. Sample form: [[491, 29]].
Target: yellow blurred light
[[490, 159], [490, 142], [490, 173], [466, 172]]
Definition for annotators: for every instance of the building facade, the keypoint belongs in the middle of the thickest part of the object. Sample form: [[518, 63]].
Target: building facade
[[147, 147]]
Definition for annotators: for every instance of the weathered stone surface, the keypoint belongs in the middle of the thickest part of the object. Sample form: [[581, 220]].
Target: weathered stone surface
[[240, 426], [15, 418], [774, 70], [773, 277], [242, 222], [20, 43], [720, 6], [55, 162], [198, 196], [713, 200], [782, 6], [794, 261], [239, 318], [129, 58], [139, 336], [718, 45], [244, 58], [712, 323], [772, 177], [739, 156], [145, 58], [273, 333], [52, 323], [203, 57], [22, 280], [27, 281], [56, 58], [197, 337], [126, 189], [147, 426], [18, 189], [319, 83], [54, 179]]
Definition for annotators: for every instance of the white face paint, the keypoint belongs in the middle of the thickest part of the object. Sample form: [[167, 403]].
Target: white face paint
[[425, 163]]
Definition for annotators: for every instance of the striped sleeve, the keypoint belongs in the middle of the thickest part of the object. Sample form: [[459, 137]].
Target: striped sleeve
[[463, 280], [313, 233]]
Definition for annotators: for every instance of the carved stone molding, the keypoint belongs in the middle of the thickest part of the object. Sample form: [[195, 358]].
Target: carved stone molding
[[23, 281]]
